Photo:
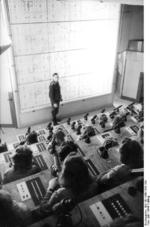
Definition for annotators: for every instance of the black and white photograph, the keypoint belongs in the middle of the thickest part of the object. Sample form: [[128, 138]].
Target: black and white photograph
[[72, 114]]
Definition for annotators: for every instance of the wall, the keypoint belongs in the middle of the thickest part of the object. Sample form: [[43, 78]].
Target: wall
[[129, 2], [32, 14], [132, 25], [5, 81], [5, 88], [133, 69], [131, 28]]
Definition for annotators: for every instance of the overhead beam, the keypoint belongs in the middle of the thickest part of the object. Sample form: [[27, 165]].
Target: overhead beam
[[128, 2]]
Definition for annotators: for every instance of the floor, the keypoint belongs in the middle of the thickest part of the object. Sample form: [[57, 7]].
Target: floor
[[9, 134]]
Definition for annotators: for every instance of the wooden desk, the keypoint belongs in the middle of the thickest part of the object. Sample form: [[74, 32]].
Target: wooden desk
[[134, 203], [88, 218], [130, 121], [90, 152], [45, 176], [86, 123]]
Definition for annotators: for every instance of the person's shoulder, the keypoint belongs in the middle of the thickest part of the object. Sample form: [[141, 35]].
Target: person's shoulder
[[115, 172], [35, 169], [122, 168], [9, 171], [63, 193], [119, 172], [60, 194], [22, 211], [8, 175], [20, 207]]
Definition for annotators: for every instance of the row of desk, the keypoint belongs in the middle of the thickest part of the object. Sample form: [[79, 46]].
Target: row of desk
[[89, 151], [87, 218]]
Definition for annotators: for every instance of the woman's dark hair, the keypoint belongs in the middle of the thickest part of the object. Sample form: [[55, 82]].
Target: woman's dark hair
[[23, 158], [69, 147], [132, 154], [60, 135], [32, 138], [75, 174], [8, 216]]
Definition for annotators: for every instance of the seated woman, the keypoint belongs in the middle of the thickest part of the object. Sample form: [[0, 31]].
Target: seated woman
[[131, 157], [23, 165], [12, 214], [74, 182], [32, 138], [60, 147]]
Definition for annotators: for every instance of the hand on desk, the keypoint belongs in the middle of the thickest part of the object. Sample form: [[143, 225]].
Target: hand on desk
[[53, 184]]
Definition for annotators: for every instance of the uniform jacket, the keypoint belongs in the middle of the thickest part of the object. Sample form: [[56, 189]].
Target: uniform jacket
[[54, 92]]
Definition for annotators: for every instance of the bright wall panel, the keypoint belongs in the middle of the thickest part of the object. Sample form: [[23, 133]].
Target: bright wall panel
[[77, 39]]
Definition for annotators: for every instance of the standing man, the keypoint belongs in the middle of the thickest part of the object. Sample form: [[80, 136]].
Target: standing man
[[55, 96]]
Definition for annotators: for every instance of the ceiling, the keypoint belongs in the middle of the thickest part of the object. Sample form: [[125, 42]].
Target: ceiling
[[130, 2]]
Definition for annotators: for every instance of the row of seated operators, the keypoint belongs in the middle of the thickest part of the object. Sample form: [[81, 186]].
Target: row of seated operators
[[71, 178]]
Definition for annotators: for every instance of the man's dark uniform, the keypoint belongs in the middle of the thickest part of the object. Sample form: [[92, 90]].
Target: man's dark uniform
[[55, 97]]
